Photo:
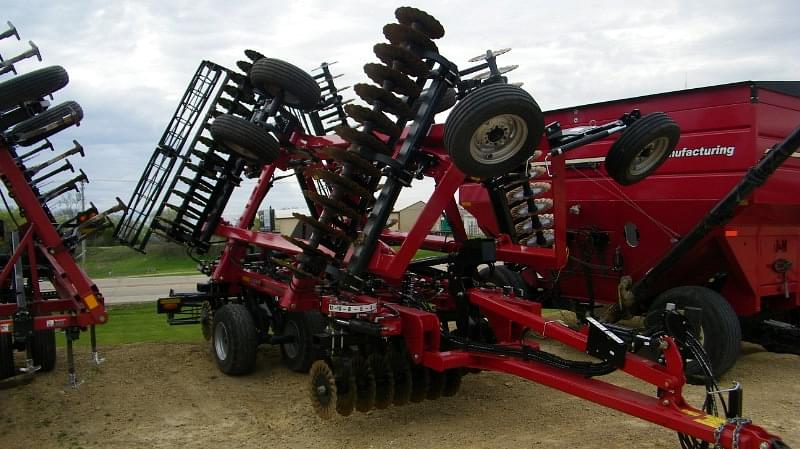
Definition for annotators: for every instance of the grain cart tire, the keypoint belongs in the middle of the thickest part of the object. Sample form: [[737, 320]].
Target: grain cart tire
[[273, 75], [235, 340], [721, 333], [6, 357], [44, 349], [245, 139], [44, 125], [502, 276], [300, 354], [642, 148], [32, 86], [493, 130]]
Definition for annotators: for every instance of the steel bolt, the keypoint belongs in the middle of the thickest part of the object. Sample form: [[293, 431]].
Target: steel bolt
[[665, 402], [763, 445]]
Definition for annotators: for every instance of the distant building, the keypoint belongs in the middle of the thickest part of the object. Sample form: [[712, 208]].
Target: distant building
[[400, 220]]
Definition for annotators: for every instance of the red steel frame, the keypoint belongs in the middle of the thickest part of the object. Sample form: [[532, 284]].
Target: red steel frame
[[508, 316], [79, 303]]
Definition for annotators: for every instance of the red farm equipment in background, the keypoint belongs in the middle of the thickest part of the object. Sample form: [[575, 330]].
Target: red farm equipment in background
[[691, 234], [42, 288], [346, 301]]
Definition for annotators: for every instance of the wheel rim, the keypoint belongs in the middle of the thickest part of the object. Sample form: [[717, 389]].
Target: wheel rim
[[221, 341], [498, 139], [292, 349], [649, 156]]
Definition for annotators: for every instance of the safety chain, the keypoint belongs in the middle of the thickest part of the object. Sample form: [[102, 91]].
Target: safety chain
[[739, 423]]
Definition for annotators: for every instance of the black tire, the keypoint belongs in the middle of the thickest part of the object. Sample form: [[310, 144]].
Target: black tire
[[273, 75], [7, 368], [721, 331], [235, 340], [502, 276], [32, 86], [300, 354], [245, 139], [46, 124], [642, 148], [447, 101], [493, 130], [44, 349]]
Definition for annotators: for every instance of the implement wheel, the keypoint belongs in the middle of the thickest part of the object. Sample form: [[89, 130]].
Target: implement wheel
[[44, 349], [493, 130], [44, 125], [234, 342], [719, 332], [247, 140], [32, 86], [299, 88], [642, 148], [299, 354]]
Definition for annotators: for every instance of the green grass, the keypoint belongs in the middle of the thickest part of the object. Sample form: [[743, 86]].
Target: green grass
[[116, 261], [134, 323]]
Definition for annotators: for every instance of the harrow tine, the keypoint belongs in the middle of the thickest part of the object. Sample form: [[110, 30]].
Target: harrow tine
[[11, 31], [34, 51], [71, 184], [47, 144], [67, 166], [324, 65], [489, 54], [77, 149]]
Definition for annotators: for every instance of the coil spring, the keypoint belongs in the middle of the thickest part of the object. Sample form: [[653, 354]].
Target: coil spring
[[524, 191], [354, 175]]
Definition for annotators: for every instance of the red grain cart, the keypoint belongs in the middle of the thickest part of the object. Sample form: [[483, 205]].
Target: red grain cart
[[616, 233]]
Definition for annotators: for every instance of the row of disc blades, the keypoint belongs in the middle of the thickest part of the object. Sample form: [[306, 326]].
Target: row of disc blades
[[353, 176], [353, 382]]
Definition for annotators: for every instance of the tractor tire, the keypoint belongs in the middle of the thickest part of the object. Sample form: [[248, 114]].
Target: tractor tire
[[502, 276], [235, 340], [7, 368], [245, 139], [44, 349], [642, 148], [32, 86], [44, 125], [493, 130], [721, 333], [299, 88], [300, 354]]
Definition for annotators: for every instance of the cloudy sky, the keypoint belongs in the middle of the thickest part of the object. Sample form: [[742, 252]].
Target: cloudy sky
[[129, 61]]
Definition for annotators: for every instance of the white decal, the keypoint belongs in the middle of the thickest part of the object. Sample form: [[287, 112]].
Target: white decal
[[347, 308], [718, 150]]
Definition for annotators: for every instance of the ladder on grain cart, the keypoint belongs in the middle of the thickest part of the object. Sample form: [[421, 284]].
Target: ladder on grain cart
[[189, 179], [41, 247]]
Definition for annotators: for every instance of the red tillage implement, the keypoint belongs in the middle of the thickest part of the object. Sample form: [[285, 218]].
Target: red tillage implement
[[343, 296], [42, 248]]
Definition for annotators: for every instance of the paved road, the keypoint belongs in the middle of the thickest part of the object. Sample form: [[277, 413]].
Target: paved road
[[145, 289]]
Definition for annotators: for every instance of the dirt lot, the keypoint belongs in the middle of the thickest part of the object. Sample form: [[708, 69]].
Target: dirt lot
[[172, 396]]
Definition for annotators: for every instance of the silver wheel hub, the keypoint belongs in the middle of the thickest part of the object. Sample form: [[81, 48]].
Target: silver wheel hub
[[498, 139], [649, 156], [221, 341]]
